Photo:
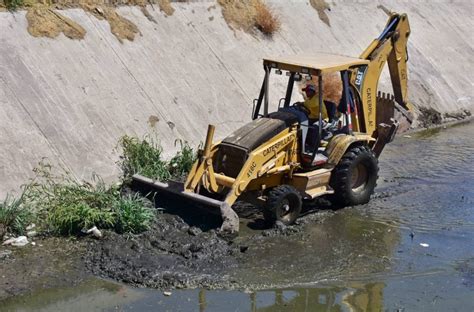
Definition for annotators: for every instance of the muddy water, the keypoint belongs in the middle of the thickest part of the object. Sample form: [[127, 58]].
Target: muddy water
[[410, 249]]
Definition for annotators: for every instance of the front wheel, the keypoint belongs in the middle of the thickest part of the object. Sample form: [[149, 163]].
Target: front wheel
[[355, 177], [283, 204]]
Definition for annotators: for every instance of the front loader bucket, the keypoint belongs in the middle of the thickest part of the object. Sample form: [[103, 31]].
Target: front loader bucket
[[230, 219]]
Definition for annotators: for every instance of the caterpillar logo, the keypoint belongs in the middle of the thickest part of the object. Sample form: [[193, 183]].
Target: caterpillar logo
[[370, 107], [277, 145]]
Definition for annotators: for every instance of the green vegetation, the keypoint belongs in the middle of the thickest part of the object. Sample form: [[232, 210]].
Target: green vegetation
[[59, 204], [66, 206], [14, 216], [180, 165], [144, 157], [133, 214], [13, 5]]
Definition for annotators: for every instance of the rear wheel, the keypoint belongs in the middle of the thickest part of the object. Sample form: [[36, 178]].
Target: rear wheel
[[355, 177], [283, 204]]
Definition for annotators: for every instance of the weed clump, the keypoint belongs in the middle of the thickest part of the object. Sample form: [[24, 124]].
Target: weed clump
[[65, 206], [180, 165], [144, 157], [60, 204], [14, 216], [250, 14], [266, 20], [134, 214]]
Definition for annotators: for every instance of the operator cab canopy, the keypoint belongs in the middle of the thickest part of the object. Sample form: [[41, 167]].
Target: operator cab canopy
[[315, 63]]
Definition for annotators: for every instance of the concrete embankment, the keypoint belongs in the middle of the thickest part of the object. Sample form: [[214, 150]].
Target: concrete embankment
[[70, 100]]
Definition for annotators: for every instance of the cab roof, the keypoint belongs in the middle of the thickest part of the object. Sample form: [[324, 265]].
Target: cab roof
[[315, 63]]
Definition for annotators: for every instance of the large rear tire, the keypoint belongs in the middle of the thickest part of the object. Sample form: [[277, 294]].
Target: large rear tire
[[355, 177], [283, 204]]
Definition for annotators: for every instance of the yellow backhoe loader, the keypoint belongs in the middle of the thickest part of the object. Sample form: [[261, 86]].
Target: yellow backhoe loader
[[269, 159]]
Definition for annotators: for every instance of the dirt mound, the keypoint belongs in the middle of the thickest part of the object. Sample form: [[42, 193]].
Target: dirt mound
[[165, 6], [170, 254], [429, 117], [121, 27], [321, 6], [44, 22]]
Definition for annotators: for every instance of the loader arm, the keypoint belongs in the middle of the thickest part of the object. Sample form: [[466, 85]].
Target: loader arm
[[391, 47]]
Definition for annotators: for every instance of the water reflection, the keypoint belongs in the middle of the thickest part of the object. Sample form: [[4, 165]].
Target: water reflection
[[356, 297], [90, 295]]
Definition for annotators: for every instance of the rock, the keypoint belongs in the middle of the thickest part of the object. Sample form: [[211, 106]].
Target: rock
[[5, 253], [167, 293], [280, 225], [16, 241], [194, 231], [424, 245], [31, 233], [95, 232], [30, 227], [243, 248]]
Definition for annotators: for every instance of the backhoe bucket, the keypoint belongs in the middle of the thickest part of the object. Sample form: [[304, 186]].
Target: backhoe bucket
[[230, 224]]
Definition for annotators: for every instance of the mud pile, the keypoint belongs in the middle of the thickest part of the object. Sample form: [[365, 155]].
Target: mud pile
[[183, 249], [169, 255]]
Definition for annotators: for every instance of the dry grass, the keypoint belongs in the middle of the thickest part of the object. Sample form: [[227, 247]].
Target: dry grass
[[121, 27], [266, 20], [321, 6], [44, 22], [166, 7], [248, 15], [332, 86]]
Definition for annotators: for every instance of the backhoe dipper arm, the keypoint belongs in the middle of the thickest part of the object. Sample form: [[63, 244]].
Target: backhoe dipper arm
[[391, 47]]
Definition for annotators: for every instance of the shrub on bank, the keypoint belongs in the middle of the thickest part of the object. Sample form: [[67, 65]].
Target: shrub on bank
[[60, 204], [14, 216], [181, 163], [266, 20], [134, 214], [144, 157]]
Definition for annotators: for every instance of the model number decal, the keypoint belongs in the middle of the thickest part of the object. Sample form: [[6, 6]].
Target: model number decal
[[251, 169]]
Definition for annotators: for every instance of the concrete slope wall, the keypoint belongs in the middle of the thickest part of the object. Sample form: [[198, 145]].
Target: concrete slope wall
[[71, 100]]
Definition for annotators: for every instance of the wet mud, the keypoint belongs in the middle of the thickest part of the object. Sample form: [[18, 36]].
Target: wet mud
[[169, 255], [51, 262], [179, 253]]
